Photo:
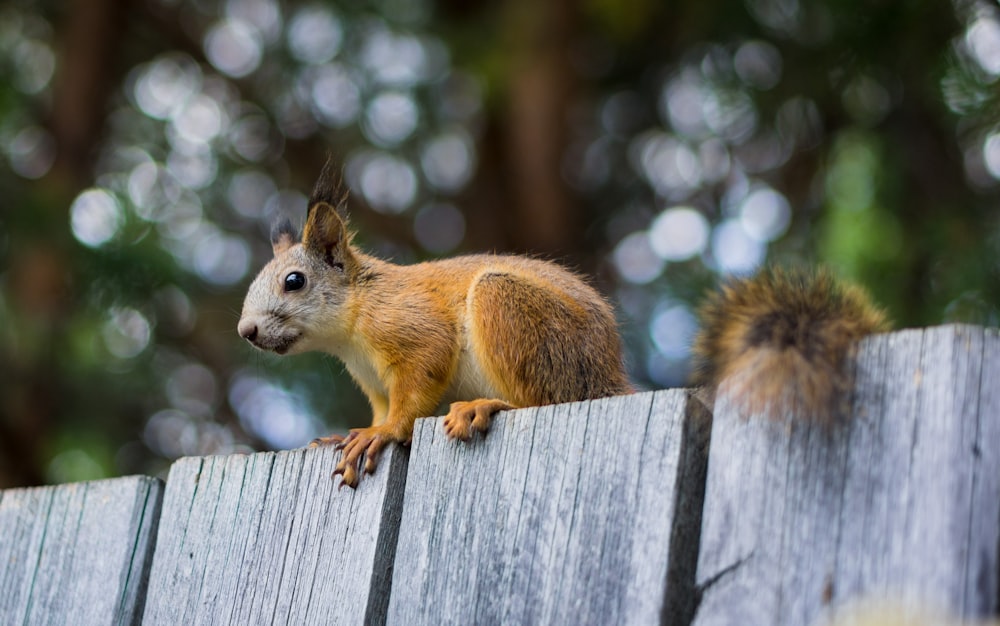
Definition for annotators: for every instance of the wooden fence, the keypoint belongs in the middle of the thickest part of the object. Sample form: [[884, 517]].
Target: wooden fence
[[614, 511]]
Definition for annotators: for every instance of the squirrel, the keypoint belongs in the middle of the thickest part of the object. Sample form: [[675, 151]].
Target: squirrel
[[486, 333], [779, 341]]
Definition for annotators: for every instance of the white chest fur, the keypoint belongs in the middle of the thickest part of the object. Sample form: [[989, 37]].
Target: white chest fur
[[469, 380]]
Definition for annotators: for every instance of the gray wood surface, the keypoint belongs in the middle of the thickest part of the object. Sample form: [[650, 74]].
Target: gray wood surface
[[902, 503], [77, 553], [562, 514], [269, 539]]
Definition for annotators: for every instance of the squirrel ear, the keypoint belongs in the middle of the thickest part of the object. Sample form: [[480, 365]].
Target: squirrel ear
[[283, 236], [325, 234]]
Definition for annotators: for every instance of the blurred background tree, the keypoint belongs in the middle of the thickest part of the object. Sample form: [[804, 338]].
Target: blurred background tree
[[146, 146]]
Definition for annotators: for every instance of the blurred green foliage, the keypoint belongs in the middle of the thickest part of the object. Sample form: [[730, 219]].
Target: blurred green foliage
[[145, 148]]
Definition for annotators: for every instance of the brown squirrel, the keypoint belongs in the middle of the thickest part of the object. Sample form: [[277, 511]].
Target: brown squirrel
[[780, 339], [485, 332], [490, 333]]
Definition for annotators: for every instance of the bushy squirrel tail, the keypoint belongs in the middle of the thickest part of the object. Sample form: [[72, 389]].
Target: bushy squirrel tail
[[780, 340]]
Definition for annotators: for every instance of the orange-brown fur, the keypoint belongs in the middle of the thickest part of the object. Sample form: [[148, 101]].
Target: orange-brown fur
[[484, 332], [779, 341]]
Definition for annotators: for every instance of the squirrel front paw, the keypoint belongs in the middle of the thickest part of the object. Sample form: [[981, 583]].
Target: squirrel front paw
[[464, 417], [366, 442]]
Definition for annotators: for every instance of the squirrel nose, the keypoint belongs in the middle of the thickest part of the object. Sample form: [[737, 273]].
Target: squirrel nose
[[247, 329]]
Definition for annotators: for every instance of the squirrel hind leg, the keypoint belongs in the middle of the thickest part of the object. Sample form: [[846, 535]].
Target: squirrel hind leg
[[538, 345]]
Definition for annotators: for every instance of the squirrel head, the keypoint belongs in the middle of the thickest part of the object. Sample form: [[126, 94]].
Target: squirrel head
[[299, 300]]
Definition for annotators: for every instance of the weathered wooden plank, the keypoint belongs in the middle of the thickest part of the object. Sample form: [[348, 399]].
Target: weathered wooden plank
[[77, 553], [901, 503], [562, 514], [268, 538]]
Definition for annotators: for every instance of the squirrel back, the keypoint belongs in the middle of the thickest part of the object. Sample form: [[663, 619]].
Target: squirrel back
[[780, 340]]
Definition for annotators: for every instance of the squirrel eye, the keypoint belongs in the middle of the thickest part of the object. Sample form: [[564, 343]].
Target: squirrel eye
[[295, 281]]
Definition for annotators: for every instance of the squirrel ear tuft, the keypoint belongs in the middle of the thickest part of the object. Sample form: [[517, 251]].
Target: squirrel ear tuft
[[329, 188], [326, 234], [283, 235]]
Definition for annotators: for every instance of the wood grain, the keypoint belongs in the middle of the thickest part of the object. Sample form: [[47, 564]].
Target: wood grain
[[77, 553], [562, 514], [899, 502], [268, 538]]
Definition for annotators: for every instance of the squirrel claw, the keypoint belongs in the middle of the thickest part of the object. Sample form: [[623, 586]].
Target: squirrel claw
[[348, 477], [360, 442], [342, 441], [464, 417]]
